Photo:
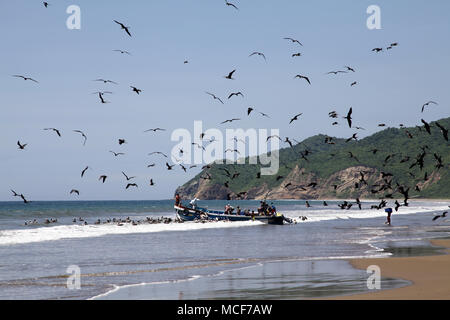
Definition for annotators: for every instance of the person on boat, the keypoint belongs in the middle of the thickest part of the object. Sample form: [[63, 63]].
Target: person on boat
[[238, 210], [177, 200], [193, 203]]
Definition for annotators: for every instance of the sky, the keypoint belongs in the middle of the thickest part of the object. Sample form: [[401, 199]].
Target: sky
[[214, 39]]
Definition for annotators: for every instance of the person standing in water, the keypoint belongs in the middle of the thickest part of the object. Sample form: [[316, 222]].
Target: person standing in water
[[388, 218]]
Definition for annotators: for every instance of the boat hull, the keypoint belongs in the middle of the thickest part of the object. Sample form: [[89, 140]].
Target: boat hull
[[191, 214]]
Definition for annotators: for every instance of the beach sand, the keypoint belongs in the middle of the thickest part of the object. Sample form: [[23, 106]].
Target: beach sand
[[429, 275]]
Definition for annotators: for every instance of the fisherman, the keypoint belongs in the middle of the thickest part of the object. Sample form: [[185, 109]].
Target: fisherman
[[388, 218], [177, 200], [238, 210]]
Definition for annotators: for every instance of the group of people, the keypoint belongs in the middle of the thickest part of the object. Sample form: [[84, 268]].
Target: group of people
[[263, 210]]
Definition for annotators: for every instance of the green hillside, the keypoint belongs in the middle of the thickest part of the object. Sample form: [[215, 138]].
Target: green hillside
[[397, 151]]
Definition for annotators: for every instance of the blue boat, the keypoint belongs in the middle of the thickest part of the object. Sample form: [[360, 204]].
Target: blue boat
[[197, 213]]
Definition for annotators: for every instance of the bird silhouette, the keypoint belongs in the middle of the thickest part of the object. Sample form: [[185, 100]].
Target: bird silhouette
[[123, 27], [21, 146], [230, 75], [293, 40], [103, 178], [295, 117], [215, 97], [427, 104], [134, 89], [427, 126], [83, 135], [74, 191], [55, 130], [349, 117], [259, 54], [236, 94], [302, 77], [231, 5], [25, 78], [443, 130]]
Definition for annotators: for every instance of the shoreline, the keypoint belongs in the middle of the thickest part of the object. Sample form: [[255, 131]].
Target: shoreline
[[429, 276]]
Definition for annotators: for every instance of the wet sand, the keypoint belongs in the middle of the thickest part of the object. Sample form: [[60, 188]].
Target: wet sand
[[429, 275]]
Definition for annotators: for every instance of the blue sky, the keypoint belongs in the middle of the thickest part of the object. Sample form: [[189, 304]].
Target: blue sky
[[215, 39]]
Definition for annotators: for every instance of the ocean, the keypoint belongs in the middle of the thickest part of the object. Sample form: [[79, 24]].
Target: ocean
[[214, 260]]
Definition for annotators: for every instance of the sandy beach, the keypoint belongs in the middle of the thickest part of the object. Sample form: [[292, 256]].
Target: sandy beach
[[430, 276]]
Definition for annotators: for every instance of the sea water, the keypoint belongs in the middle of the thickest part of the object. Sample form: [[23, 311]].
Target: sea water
[[214, 260]]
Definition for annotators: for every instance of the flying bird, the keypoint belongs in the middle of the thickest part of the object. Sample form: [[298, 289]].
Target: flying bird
[[82, 134], [155, 129], [169, 167], [122, 141], [75, 191], [427, 126], [55, 130], [349, 68], [293, 40], [122, 51], [349, 117], [230, 120], [21, 146], [25, 78], [83, 172], [100, 95], [131, 185], [158, 152], [230, 75], [117, 153], [231, 5], [105, 81], [259, 54], [302, 77], [103, 178], [136, 89], [427, 104], [298, 54], [443, 130], [443, 215], [236, 94], [215, 97], [295, 117], [123, 27]]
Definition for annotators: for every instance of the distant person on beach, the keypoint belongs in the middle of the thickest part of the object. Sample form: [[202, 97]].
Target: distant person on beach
[[177, 199], [388, 218]]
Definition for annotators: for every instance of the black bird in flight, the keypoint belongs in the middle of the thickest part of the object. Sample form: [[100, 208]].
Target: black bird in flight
[[427, 104], [349, 68], [83, 135], [169, 167], [136, 89], [302, 77], [353, 84], [75, 191], [231, 5], [83, 172], [259, 54], [230, 120], [236, 94], [122, 141], [127, 177], [427, 126], [122, 51], [249, 110], [443, 215], [336, 72], [46, 4], [230, 75], [215, 97], [155, 129], [293, 40], [105, 81], [103, 178], [298, 54], [443, 130], [56, 130], [295, 117], [21, 146], [25, 78], [157, 152], [100, 95], [151, 182], [377, 49], [123, 27], [349, 117], [131, 185], [117, 153]]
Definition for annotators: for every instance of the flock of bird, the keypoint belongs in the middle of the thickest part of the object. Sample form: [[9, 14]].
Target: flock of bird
[[387, 177]]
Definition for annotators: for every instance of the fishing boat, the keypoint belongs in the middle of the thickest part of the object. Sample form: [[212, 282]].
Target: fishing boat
[[196, 213]]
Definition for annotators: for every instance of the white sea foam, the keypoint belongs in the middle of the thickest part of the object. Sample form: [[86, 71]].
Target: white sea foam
[[20, 236]]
